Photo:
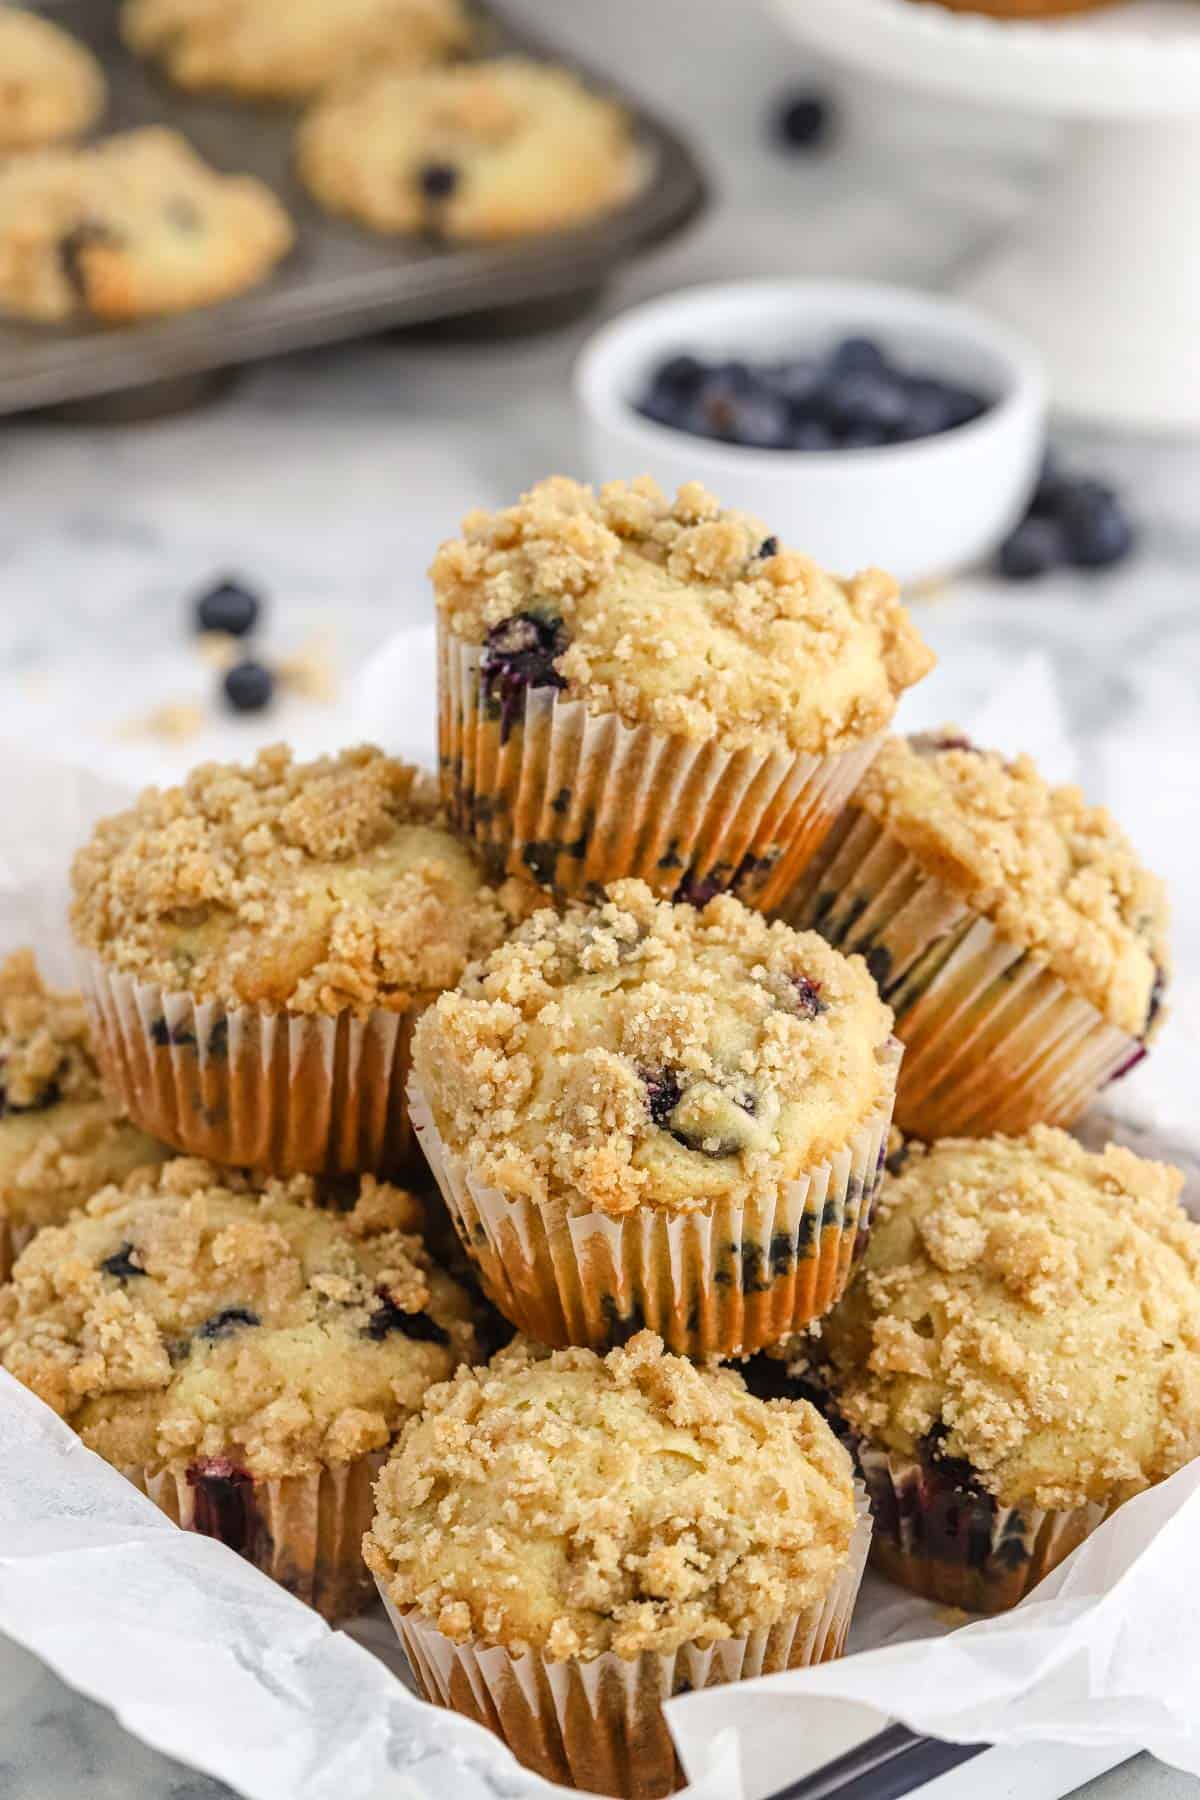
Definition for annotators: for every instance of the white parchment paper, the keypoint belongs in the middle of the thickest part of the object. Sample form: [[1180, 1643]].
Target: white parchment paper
[[205, 1658]]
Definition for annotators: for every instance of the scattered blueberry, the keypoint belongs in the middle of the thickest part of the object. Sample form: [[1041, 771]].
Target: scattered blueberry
[[438, 180], [851, 398], [1033, 549], [249, 686], [803, 120], [1096, 530], [228, 607], [1071, 520]]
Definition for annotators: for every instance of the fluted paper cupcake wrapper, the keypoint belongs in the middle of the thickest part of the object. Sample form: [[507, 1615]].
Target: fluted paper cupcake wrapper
[[579, 800], [721, 1282], [599, 1724], [304, 1531], [960, 1547], [13, 1239], [994, 1040], [294, 1093]]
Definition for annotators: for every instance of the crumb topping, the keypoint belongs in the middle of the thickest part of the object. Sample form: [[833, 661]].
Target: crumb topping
[[636, 1502], [194, 1313], [1031, 1308], [642, 1053], [686, 616], [320, 886], [61, 1135], [1054, 874]]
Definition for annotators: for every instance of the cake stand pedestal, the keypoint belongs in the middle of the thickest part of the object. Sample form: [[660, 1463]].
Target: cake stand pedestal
[[1104, 275]]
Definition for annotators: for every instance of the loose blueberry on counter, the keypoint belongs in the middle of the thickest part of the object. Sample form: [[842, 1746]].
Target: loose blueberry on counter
[[228, 607], [248, 686], [1071, 521], [803, 120]]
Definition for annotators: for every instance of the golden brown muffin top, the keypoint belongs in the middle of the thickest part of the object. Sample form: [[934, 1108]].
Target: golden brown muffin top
[[196, 1314], [61, 1135], [1054, 874], [320, 886], [642, 1053], [1031, 1308], [636, 1502], [683, 615]]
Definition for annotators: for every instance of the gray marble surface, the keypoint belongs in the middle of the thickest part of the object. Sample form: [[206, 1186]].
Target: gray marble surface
[[329, 476]]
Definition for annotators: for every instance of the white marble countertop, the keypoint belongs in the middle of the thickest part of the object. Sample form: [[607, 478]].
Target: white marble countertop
[[328, 478]]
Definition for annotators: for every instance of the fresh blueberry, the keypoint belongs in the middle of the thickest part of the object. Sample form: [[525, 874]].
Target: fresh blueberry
[[1033, 549], [756, 421], [863, 437], [963, 405], [680, 375], [249, 686], [857, 356], [438, 180], [228, 607], [1096, 530], [803, 120], [810, 434], [929, 409], [1051, 490], [663, 406], [798, 381], [864, 399]]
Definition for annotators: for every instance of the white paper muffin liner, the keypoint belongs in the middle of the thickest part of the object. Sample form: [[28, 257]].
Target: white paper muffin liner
[[994, 1040], [304, 1531], [579, 799], [724, 1281], [961, 1546], [599, 1724], [13, 1239], [293, 1093]]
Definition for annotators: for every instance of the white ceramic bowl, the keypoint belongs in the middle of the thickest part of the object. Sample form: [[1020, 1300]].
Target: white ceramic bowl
[[919, 510]]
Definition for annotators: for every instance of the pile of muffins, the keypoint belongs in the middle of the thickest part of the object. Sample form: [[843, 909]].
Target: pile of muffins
[[605, 1037], [408, 128]]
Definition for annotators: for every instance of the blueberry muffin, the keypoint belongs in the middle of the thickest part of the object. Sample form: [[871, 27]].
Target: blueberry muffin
[[262, 49], [485, 152], [1013, 928], [1019, 1354], [130, 228], [61, 1136], [51, 88], [258, 945], [241, 1355], [632, 685], [642, 1114], [563, 1542]]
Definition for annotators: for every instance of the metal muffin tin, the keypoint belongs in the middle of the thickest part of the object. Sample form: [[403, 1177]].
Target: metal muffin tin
[[339, 281]]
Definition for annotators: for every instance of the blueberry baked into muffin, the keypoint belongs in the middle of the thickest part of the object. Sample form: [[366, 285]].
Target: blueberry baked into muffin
[[1011, 925], [258, 945], [61, 1136], [563, 1542], [134, 226], [290, 49], [489, 151], [241, 1355], [1019, 1354], [51, 87], [632, 685], [645, 1115]]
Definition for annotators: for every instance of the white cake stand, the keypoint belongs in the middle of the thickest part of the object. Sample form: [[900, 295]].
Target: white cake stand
[[1104, 276]]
